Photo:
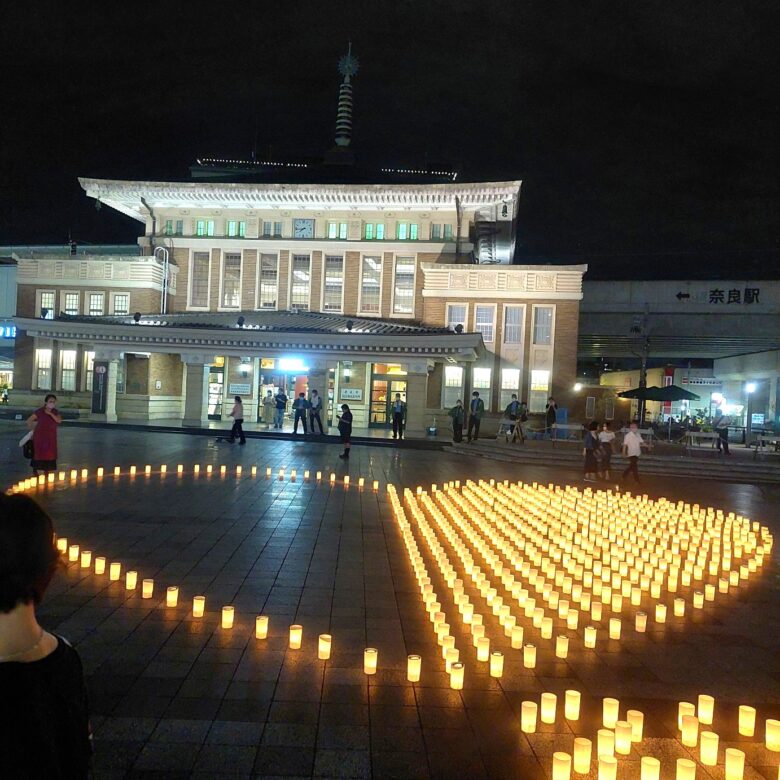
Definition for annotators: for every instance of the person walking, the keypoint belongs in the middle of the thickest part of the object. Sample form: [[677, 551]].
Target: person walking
[[43, 423], [237, 413], [315, 412], [345, 430], [590, 448], [300, 408], [457, 413], [721, 426], [399, 416], [268, 409], [550, 416], [632, 449], [43, 708], [476, 410], [512, 413], [606, 437], [281, 407], [522, 418]]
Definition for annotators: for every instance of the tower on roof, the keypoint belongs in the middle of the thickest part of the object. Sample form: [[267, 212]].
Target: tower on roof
[[348, 67]]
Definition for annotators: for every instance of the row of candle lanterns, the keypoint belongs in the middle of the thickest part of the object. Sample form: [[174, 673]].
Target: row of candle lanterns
[[76, 475]]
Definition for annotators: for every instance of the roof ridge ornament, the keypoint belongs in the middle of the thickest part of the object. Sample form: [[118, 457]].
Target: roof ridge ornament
[[348, 67]]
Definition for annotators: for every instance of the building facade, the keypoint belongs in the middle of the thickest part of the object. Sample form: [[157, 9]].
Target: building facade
[[359, 291]]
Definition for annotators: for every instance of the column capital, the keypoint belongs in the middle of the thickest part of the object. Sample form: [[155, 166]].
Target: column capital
[[418, 366], [101, 353]]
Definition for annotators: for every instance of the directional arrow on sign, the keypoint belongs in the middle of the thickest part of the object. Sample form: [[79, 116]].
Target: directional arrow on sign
[[682, 296]]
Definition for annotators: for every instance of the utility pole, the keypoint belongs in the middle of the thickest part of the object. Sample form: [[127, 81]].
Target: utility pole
[[639, 328]]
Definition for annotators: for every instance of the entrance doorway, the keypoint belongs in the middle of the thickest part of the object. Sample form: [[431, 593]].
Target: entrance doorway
[[216, 388], [276, 376], [386, 381]]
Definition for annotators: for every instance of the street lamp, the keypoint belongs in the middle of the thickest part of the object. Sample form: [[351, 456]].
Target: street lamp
[[750, 388], [577, 387]]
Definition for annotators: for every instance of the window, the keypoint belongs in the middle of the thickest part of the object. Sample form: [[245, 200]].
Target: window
[[590, 407], [231, 280], [96, 304], [375, 230], [453, 385], [543, 325], [204, 227], [199, 287], [334, 283], [371, 285], [456, 315], [435, 232], [406, 230], [46, 306], [480, 380], [609, 408], [337, 229], [513, 324], [179, 227], [122, 303], [268, 229], [540, 386], [301, 279], [43, 368], [89, 367], [448, 232], [71, 303], [484, 317], [168, 227], [269, 281], [510, 383], [236, 228], [68, 369], [403, 292]]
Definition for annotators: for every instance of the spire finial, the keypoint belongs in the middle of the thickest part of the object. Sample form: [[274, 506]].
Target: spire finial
[[348, 67]]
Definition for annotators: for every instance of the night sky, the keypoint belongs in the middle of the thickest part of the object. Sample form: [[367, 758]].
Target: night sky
[[643, 127]]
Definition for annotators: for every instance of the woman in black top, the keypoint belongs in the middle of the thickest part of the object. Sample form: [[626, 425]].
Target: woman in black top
[[44, 726], [345, 429]]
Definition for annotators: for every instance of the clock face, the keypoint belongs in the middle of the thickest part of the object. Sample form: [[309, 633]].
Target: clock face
[[303, 228]]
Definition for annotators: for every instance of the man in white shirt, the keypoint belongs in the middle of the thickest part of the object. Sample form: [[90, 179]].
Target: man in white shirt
[[632, 449], [721, 427]]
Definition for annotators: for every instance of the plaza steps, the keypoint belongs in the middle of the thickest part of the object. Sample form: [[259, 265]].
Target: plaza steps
[[732, 469]]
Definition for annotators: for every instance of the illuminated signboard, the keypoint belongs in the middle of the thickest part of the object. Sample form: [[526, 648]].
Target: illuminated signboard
[[8, 331]]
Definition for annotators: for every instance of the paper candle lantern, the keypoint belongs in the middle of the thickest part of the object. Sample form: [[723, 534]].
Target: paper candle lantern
[[698, 600], [684, 708], [73, 553], [376, 484], [679, 607], [571, 707], [641, 622], [610, 712], [86, 559], [623, 737], [61, 476], [147, 470], [117, 471], [74, 474], [346, 480], [747, 720], [582, 752], [180, 468], [548, 708], [708, 748], [131, 580], [196, 469], [115, 571], [614, 628], [516, 636], [261, 627], [147, 589], [254, 471], [483, 648], [296, 636], [496, 663], [84, 473], [572, 619], [650, 768], [239, 471], [319, 476], [561, 767], [773, 735], [99, 473], [605, 742], [528, 711], [414, 668], [529, 656], [686, 769], [705, 709], [456, 676], [209, 469], [171, 596], [452, 655], [660, 613], [198, 606], [690, 730], [361, 482], [590, 636], [735, 764], [561, 646], [228, 613], [637, 721], [607, 767], [332, 478], [163, 469], [100, 565], [62, 544], [323, 646], [223, 470]]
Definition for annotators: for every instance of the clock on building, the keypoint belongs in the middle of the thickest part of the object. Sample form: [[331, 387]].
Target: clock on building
[[303, 228]]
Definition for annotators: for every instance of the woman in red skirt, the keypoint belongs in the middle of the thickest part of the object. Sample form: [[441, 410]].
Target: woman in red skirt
[[43, 422]]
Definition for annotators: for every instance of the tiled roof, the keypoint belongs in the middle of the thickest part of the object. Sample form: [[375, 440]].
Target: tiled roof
[[283, 321]]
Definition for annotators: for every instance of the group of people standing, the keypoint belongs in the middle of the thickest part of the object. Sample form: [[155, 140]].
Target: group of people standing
[[306, 411], [598, 446]]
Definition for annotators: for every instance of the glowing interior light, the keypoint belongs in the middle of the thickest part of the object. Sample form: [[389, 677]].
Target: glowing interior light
[[773, 735], [323, 646], [86, 559], [100, 565], [607, 767], [583, 749], [528, 711], [296, 636], [686, 769], [228, 615], [171, 596], [734, 764], [705, 709], [708, 748], [261, 627], [571, 708], [637, 721], [413, 668], [561, 766], [549, 705], [457, 672], [62, 544], [650, 768], [131, 580], [610, 712], [147, 589], [623, 737], [496, 663], [690, 730], [73, 553], [115, 571], [198, 606]]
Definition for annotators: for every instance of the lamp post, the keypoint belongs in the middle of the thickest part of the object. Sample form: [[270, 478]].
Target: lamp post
[[639, 328], [750, 388]]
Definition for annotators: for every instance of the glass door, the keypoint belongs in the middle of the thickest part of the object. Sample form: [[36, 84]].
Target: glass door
[[216, 382], [396, 386], [377, 413]]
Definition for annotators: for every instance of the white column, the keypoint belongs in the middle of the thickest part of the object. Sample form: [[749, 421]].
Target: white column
[[417, 398], [318, 380], [195, 388]]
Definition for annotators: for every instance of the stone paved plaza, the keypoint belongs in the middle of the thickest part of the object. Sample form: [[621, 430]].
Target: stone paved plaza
[[177, 696]]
